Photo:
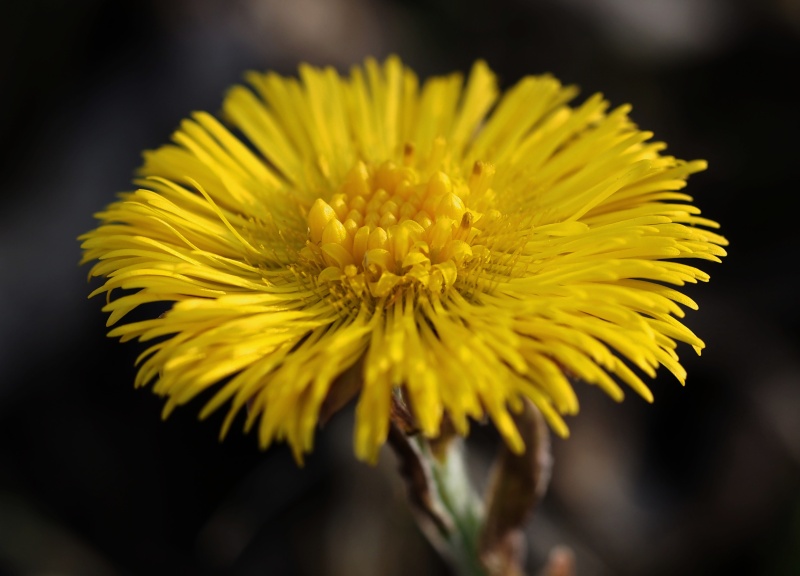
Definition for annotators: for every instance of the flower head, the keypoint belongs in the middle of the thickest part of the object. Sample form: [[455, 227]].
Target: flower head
[[459, 249]]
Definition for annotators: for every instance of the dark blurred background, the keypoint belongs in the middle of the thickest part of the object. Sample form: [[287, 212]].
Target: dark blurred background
[[704, 482]]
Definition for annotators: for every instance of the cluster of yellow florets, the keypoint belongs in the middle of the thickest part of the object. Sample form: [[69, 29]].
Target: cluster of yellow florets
[[393, 226]]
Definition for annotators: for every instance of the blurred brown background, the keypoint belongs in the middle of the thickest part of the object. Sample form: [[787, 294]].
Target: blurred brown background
[[92, 483]]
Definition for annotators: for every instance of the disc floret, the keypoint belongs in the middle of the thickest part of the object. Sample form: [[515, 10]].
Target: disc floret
[[392, 228]]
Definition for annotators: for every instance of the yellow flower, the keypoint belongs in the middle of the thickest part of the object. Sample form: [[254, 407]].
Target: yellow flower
[[461, 249]]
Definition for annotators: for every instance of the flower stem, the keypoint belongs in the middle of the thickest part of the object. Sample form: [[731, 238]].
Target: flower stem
[[478, 536], [459, 499]]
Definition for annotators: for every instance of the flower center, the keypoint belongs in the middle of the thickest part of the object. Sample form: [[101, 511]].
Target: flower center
[[389, 227]]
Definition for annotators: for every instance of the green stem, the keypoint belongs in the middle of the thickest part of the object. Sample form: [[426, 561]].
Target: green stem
[[478, 538], [458, 497]]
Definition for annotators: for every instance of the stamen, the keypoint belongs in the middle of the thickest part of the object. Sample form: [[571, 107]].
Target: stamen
[[386, 230]]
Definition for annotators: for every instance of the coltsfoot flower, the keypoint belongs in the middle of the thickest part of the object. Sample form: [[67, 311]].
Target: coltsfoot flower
[[460, 248]]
